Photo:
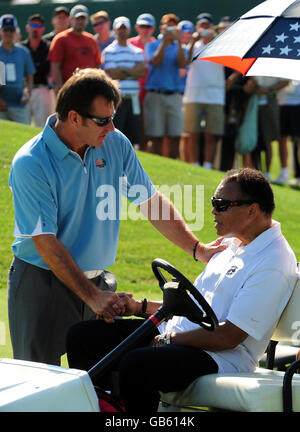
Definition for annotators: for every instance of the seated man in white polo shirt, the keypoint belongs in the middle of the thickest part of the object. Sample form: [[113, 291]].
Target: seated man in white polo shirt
[[247, 285]]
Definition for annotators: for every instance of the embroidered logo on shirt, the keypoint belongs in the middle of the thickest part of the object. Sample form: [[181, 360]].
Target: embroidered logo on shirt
[[101, 164], [231, 271]]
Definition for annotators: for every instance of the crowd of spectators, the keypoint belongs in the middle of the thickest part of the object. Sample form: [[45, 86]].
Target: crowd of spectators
[[171, 104]]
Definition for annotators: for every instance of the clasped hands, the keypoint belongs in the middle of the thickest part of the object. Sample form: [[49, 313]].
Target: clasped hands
[[119, 304]]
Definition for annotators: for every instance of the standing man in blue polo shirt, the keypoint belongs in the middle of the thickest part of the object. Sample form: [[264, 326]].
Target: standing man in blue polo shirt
[[66, 185], [19, 70], [163, 105]]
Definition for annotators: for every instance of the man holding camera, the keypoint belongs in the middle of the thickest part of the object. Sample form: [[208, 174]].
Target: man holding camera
[[163, 104]]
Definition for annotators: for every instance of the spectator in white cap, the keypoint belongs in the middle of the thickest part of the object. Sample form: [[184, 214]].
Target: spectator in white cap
[[144, 26], [124, 62], [73, 48], [224, 23], [19, 70], [187, 29]]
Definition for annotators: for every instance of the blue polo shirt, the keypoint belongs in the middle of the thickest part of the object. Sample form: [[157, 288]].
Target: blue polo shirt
[[166, 76], [78, 200], [18, 64]]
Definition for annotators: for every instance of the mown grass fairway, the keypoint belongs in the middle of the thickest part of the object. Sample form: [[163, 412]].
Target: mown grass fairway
[[139, 242]]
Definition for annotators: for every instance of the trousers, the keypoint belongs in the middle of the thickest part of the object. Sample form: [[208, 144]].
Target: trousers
[[40, 310], [144, 371]]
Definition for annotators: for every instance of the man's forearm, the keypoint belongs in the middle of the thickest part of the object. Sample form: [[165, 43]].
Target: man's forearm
[[56, 74], [64, 267], [169, 222], [159, 54], [226, 336], [182, 61]]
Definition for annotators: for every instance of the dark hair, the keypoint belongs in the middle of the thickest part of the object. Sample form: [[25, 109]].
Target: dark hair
[[253, 186], [36, 17], [80, 90]]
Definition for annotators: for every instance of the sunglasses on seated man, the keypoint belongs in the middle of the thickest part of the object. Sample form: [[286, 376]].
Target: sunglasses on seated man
[[100, 121], [221, 205]]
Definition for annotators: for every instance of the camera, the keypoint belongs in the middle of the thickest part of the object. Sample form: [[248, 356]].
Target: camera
[[170, 29]]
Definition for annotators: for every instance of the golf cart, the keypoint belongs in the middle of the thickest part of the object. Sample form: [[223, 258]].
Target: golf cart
[[31, 387]]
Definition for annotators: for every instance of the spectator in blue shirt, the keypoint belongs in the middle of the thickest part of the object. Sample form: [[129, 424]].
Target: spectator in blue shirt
[[163, 105], [19, 70]]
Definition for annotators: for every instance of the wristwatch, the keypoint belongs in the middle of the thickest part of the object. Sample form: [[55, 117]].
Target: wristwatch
[[163, 339]]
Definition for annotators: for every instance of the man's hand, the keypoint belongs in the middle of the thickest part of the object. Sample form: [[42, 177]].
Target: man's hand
[[204, 252], [125, 305], [26, 96], [129, 305]]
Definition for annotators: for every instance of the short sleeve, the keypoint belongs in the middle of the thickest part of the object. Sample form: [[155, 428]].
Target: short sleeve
[[34, 203], [56, 51], [138, 183]]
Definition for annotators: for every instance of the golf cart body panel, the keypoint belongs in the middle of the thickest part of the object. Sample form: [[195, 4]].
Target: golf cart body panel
[[36, 387]]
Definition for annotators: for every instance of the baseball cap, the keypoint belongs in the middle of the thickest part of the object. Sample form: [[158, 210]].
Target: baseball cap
[[121, 20], [7, 21], [101, 16], [186, 26], [60, 9], [204, 17], [146, 19], [79, 10], [36, 17], [225, 22], [169, 17]]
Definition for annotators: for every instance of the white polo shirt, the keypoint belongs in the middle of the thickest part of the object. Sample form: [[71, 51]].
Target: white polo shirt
[[249, 286], [205, 82]]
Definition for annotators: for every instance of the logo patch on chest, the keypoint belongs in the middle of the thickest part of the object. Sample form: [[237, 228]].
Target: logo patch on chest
[[101, 164], [231, 271]]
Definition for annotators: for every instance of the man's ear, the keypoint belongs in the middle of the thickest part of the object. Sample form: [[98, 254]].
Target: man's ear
[[253, 208], [74, 118]]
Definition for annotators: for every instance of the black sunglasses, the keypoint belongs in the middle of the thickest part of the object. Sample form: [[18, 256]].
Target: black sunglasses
[[101, 121], [221, 205], [99, 22]]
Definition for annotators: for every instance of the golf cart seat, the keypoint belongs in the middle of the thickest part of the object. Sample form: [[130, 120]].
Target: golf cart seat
[[264, 390]]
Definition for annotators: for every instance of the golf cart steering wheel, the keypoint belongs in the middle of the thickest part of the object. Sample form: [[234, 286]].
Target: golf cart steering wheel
[[178, 302]]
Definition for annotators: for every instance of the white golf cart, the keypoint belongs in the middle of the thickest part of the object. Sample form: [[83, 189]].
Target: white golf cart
[[36, 387]]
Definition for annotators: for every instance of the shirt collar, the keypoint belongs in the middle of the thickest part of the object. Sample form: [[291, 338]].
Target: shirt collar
[[263, 240], [51, 139]]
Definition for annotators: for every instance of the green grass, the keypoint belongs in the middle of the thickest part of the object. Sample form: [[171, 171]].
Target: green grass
[[139, 243]]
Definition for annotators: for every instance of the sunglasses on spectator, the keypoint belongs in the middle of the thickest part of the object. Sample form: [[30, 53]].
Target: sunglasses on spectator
[[99, 23], [101, 121], [35, 25], [9, 29], [221, 205], [144, 26]]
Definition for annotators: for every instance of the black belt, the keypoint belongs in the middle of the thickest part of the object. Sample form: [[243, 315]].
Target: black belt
[[165, 92]]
